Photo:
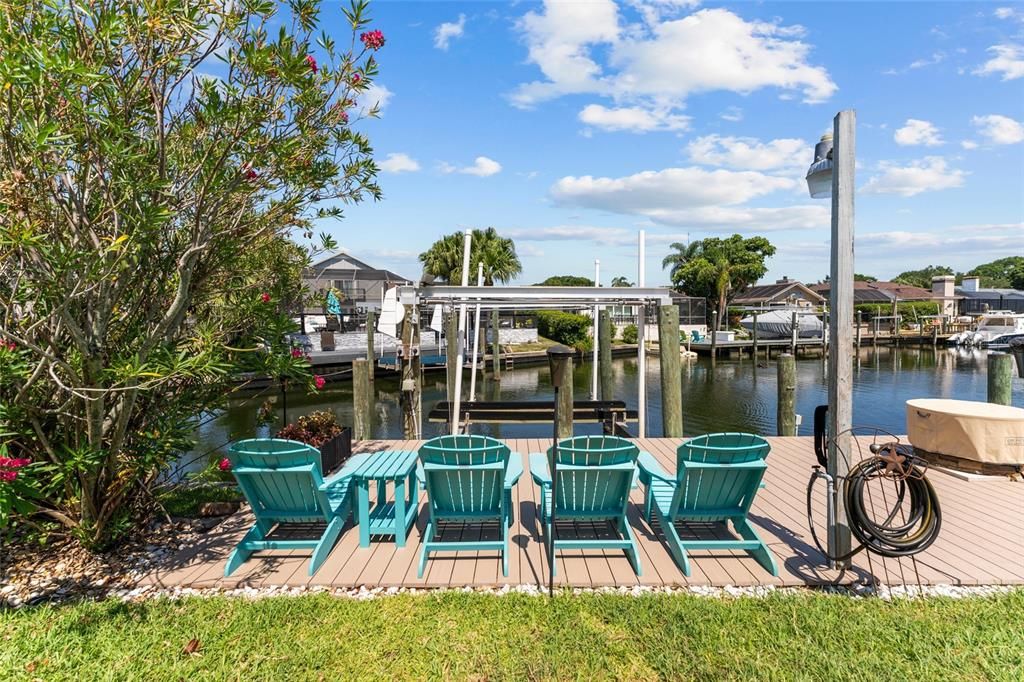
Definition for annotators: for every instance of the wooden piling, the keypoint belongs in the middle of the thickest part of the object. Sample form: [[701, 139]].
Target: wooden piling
[[371, 329], [362, 400], [495, 346], [604, 355], [565, 394], [451, 334], [858, 329], [786, 417], [1000, 378], [671, 372], [793, 335], [412, 378], [754, 332]]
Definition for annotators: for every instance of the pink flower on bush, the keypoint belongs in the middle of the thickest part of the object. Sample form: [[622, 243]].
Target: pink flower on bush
[[373, 40], [265, 297], [319, 381], [356, 78], [296, 352], [9, 467], [312, 63], [9, 345], [224, 464], [249, 172]]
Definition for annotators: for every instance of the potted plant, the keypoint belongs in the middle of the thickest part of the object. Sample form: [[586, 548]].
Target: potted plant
[[322, 431]]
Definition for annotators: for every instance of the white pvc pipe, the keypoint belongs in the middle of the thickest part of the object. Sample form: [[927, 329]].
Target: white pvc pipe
[[593, 376], [462, 329], [476, 334], [641, 401]]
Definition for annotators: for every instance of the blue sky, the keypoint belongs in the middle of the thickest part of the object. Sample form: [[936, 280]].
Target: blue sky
[[571, 126]]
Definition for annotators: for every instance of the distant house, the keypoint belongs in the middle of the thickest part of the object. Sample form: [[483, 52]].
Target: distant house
[[881, 292], [361, 286], [975, 300], [784, 293]]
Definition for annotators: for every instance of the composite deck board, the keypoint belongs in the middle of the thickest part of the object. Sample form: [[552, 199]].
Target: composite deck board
[[980, 541]]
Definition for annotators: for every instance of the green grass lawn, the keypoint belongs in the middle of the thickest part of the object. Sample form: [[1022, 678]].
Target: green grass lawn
[[455, 635]]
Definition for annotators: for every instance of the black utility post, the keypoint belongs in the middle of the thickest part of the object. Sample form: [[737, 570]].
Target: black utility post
[[558, 357]]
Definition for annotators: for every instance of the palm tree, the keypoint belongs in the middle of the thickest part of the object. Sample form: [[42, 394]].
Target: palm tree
[[621, 281], [684, 253], [498, 255]]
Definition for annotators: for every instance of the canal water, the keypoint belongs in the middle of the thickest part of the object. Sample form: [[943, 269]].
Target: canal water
[[727, 395]]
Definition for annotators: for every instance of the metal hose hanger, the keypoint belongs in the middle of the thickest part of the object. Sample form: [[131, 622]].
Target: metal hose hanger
[[907, 526]]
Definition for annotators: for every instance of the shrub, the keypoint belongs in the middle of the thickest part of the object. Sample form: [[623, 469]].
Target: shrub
[[909, 310], [568, 328], [630, 333], [315, 428]]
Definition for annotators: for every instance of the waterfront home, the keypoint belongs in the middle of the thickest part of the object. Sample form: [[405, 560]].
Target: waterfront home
[[975, 300], [359, 287], [784, 293]]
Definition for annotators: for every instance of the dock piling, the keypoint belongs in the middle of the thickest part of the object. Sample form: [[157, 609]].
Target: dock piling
[[412, 377], [565, 396], [793, 335], [671, 372], [371, 329], [1000, 378], [495, 346], [753, 331], [362, 399], [786, 417], [604, 356]]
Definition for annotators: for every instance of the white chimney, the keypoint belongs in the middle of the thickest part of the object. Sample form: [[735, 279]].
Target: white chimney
[[971, 283], [943, 285]]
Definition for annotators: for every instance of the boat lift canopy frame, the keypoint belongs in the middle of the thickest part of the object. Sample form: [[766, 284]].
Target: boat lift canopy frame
[[540, 297]]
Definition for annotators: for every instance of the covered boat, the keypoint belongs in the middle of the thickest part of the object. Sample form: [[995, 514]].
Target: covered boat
[[778, 324]]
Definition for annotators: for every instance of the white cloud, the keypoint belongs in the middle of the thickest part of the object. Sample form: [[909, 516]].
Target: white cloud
[[925, 175], [603, 236], [999, 129], [968, 144], [918, 132], [935, 58], [374, 94], [661, 63], [747, 153], [1008, 61], [692, 197], [632, 119], [733, 114], [444, 33], [482, 167], [954, 240], [1007, 13], [398, 163]]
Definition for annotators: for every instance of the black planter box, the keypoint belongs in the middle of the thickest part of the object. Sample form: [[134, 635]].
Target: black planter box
[[334, 452]]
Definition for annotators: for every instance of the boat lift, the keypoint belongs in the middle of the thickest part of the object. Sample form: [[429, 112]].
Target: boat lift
[[488, 298]]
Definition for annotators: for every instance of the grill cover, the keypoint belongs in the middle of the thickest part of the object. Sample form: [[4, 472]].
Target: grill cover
[[982, 432]]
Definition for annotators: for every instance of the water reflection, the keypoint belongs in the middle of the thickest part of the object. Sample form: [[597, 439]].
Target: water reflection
[[727, 395]]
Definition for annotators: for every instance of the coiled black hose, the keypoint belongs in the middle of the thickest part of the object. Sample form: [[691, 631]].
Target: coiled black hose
[[914, 532]]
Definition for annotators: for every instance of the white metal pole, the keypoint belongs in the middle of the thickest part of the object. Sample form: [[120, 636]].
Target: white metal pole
[[593, 374], [476, 334], [840, 357], [641, 358], [467, 244]]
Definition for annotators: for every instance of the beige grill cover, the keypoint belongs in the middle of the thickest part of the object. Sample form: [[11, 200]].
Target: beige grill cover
[[982, 432]]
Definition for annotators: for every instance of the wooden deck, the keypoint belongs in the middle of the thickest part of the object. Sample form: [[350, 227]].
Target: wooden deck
[[981, 543]]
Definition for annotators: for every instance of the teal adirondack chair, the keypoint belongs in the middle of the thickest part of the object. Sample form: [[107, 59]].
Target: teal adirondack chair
[[468, 479], [695, 336], [595, 474], [717, 477], [283, 483]]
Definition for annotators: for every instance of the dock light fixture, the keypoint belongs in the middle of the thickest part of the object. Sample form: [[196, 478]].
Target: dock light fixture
[[831, 176], [558, 357], [819, 175]]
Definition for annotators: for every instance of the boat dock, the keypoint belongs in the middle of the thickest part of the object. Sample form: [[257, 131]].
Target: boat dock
[[980, 542]]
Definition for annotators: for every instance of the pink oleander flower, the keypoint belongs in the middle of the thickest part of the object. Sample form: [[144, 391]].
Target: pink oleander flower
[[319, 381], [249, 172], [224, 464], [373, 40], [8, 476], [312, 63], [9, 345], [265, 297], [356, 78], [296, 352]]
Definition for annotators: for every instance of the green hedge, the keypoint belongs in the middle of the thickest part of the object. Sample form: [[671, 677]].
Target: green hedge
[[630, 333], [909, 310], [568, 328]]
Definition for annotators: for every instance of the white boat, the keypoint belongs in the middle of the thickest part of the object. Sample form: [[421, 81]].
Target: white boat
[[990, 326], [778, 324], [1003, 341]]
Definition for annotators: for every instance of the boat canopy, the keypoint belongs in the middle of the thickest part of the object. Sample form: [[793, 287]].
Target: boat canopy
[[779, 324]]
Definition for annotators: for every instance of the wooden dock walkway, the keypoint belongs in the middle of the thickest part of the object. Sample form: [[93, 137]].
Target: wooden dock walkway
[[981, 543]]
